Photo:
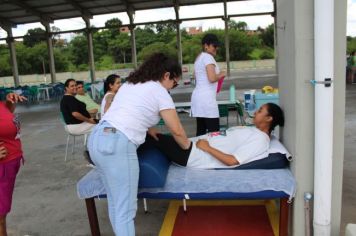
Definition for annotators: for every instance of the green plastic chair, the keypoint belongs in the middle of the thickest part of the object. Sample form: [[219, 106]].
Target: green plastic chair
[[224, 112]]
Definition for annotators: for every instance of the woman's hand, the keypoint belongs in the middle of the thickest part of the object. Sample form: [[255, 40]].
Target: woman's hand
[[153, 133], [14, 98], [3, 151], [203, 144]]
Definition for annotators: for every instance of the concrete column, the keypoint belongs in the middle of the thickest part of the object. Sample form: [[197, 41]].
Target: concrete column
[[227, 41], [52, 67], [90, 50], [275, 35], [131, 12], [11, 42], [133, 46], [179, 44], [179, 34]]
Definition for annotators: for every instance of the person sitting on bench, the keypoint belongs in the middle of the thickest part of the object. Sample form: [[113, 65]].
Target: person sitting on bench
[[223, 149]]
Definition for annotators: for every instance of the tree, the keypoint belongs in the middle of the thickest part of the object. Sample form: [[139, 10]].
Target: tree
[[79, 50], [113, 26], [34, 36], [267, 36], [241, 25], [154, 48]]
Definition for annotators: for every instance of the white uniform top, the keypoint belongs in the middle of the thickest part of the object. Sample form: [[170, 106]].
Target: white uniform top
[[246, 144], [203, 101], [103, 103], [136, 108]]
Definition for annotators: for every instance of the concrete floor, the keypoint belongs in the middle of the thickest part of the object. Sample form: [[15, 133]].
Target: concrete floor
[[45, 200]]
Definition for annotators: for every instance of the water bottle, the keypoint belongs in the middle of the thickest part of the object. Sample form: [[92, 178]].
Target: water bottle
[[232, 93]]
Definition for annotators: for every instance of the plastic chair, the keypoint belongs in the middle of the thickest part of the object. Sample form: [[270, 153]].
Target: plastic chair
[[70, 135], [224, 112]]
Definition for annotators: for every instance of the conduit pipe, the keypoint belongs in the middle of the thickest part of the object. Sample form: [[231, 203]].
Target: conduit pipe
[[324, 96]]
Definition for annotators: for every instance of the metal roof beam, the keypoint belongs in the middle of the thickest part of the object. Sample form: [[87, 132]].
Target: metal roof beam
[[4, 23], [24, 6], [85, 12]]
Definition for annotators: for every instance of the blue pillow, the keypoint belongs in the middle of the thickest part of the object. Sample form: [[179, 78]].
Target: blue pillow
[[273, 161], [153, 167]]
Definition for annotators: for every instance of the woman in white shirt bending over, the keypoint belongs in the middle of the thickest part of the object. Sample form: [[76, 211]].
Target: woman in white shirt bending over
[[138, 107], [203, 102], [111, 86]]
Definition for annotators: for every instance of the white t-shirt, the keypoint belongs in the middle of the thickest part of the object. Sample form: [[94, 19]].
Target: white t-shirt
[[103, 103], [246, 144], [136, 108], [203, 101]]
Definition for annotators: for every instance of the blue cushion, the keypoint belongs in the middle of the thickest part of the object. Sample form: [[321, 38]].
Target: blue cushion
[[153, 167], [273, 161]]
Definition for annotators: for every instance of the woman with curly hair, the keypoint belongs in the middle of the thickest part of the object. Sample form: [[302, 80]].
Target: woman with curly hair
[[139, 105]]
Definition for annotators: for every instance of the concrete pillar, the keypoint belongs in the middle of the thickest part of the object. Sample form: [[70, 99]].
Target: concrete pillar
[[11, 43], [275, 35], [133, 46], [179, 34], [179, 44], [227, 41], [52, 67], [131, 13], [90, 49]]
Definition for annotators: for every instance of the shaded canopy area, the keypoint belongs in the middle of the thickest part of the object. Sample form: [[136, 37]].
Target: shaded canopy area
[[16, 12]]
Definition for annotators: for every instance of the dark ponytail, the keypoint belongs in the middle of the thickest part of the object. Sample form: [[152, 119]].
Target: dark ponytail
[[277, 115], [110, 80]]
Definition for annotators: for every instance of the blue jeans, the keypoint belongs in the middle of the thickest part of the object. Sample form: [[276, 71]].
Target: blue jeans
[[116, 160]]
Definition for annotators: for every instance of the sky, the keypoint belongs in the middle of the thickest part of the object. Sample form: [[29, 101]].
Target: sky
[[187, 12]]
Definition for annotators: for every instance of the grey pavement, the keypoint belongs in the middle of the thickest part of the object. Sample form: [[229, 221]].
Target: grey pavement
[[45, 200]]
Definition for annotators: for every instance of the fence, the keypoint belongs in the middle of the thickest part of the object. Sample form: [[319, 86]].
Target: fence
[[37, 79]]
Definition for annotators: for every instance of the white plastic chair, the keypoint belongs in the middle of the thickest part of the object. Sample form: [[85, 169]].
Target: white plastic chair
[[71, 135]]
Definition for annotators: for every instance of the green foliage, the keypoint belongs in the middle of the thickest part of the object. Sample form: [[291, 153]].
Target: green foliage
[[351, 44], [156, 47], [34, 36], [267, 36], [241, 25], [112, 49], [261, 53], [105, 63]]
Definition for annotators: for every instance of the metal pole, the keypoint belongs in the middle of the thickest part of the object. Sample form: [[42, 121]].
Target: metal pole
[[52, 67], [10, 41], [179, 35], [130, 13], [307, 198], [227, 42], [90, 49]]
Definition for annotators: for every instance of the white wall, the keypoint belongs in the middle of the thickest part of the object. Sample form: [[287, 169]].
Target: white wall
[[339, 112], [295, 32]]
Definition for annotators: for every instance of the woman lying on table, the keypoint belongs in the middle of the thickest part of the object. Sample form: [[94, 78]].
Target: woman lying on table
[[236, 146]]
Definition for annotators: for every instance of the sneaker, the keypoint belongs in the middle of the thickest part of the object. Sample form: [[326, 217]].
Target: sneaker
[[87, 157]]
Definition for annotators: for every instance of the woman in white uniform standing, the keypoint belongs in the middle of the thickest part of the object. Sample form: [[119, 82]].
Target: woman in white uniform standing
[[142, 100], [203, 102]]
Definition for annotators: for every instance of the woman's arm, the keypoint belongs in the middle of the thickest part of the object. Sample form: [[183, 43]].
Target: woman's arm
[[80, 117], [212, 76], [109, 98], [3, 151], [227, 159], [172, 121]]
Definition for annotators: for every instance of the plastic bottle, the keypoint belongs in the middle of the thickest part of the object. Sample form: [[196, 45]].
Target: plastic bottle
[[232, 94]]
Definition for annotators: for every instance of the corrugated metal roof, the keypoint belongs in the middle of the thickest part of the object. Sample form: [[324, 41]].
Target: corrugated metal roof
[[14, 12]]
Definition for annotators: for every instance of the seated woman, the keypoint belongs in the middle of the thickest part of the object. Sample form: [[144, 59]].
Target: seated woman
[[239, 145], [111, 86], [74, 112]]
